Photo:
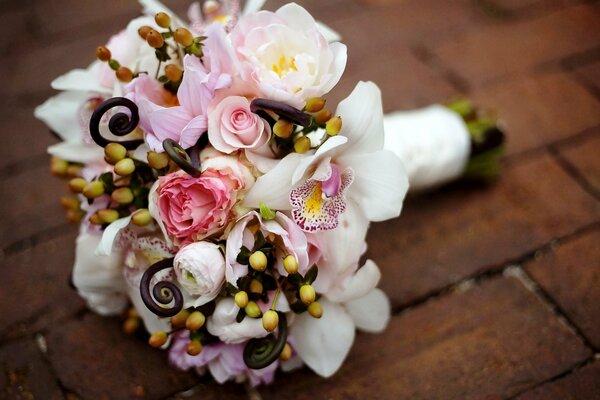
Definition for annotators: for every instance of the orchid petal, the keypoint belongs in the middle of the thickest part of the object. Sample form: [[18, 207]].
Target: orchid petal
[[77, 152], [274, 187], [253, 6], [324, 343], [61, 114], [324, 150], [154, 211], [105, 247], [380, 183], [82, 80], [362, 116], [371, 313], [357, 285]]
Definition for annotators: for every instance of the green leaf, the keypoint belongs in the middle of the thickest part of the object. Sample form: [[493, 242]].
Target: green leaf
[[244, 256], [311, 275], [108, 182], [240, 315], [266, 212]]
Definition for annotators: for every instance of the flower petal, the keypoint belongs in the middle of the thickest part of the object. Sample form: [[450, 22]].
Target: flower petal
[[357, 285], [380, 183], [330, 34], [82, 80], [324, 343], [109, 236], [77, 152], [274, 187], [371, 313], [61, 114], [253, 6]]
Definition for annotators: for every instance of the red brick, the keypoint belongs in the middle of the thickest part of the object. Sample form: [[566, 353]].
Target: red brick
[[570, 274], [582, 384], [25, 374], [444, 237], [499, 50], [590, 74], [30, 204], [35, 288], [210, 391], [584, 156], [535, 111], [460, 346], [96, 360]]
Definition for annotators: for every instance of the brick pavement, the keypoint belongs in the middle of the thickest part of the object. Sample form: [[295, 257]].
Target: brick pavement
[[496, 290]]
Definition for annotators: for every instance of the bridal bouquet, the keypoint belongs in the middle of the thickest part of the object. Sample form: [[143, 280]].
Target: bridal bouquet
[[223, 204], [220, 195]]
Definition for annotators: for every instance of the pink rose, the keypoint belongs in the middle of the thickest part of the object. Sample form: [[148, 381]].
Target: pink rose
[[232, 126]]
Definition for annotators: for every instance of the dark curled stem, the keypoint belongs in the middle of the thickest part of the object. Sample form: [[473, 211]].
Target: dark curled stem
[[283, 110], [181, 158], [163, 292], [260, 353], [119, 124]]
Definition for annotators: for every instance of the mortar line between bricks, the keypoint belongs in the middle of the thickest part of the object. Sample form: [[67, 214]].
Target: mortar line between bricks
[[35, 239], [574, 173], [557, 377], [430, 59], [493, 272]]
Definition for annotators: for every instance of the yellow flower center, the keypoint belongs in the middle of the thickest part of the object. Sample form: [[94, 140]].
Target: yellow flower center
[[314, 203], [284, 66]]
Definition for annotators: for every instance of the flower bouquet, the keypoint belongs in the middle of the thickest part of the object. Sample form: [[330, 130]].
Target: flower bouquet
[[223, 205]]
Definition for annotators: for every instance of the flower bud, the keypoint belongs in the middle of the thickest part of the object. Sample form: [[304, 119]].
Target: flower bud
[[141, 217], [315, 310], [95, 219], [158, 339], [93, 189], [307, 294], [108, 216], [163, 20], [58, 167], [143, 31], [75, 216], [115, 152], [179, 319], [286, 353], [124, 74], [122, 195], [302, 145], [73, 170], [103, 53], [70, 203], [314, 104], [256, 286], [173, 72], [158, 160], [323, 116], [131, 325], [283, 128], [133, 313], [290, 264], [195, 321], [333, 126], [114, 64], [211, 7], [76, 185], [270, 319], [258, 261], [183, 37], [241, 299], [252, 310], [125, 167], [154, 39], [194, 347]]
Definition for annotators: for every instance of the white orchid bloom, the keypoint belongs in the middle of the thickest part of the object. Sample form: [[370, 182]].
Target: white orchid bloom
[[433, 144], [324, 343], [352, 166], [99, 280]]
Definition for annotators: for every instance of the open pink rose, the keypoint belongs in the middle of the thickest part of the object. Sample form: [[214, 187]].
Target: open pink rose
[[232, 126]]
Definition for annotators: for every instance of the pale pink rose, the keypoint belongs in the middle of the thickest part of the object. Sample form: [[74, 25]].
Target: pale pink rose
[[229, 167], [224, 361], [232, 126], [286, 54], [290, 240], [200, 269]]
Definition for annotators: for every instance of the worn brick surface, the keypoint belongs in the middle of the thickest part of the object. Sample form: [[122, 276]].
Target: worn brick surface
[[464, 346], [499, 50], [570, 274], [583, 156], [583, 384], [535, 110], [590, 74], [30, 203], [115, 364], [442, 238], [35, 287], [25, 374]]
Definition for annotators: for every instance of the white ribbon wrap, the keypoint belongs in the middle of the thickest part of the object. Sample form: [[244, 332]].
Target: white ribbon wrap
[[433, 144]]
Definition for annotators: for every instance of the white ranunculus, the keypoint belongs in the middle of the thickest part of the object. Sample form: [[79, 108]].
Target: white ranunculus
[[433, 144], [99, 279], [200, 269], [287, 54]]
